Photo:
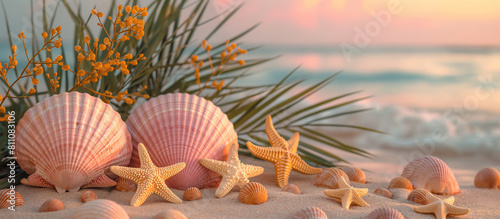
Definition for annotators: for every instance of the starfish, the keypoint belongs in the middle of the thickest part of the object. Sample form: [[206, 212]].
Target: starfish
[[283, 154], [233, 171], [440, 207], [347, 194], [149, 178]]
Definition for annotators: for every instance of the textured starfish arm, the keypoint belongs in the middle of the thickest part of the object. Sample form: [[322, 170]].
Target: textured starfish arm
[[335, 193], [217, 166], [144, 158], [359, 201], [361, 192], [293, 143], [251, 170], [267, 153], [274, 138], [449, 200], [302, 167], [347, 200], [169, 171], [225, 186], [430, 208], [454, 210], [142, 193], [167, 194], [283, 168], [130, 173]]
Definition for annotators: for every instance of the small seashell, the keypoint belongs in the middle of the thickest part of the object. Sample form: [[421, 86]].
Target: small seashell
[[291, 188], [433, 174], [385, 213], [355, 174], [125, 185], [400, 182], [328, 178], [170, 214], [68, 141], [9, 197], [310, 213], [88, 196], [418, 196], [52, 205], [383, 192], [191, 194], [253, 193], [180, 127], [488, 178], [100, 208]]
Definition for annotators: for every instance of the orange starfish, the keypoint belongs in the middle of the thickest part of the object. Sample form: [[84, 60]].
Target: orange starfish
[[283, 154]]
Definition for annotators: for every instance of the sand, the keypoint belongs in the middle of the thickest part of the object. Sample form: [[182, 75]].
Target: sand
[[483, 203]]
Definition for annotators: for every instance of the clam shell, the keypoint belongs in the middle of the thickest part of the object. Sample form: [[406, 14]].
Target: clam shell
[[433, 174], [355, 174], [88, 196], [487, 178], [52, 205], [100, 208], [383, 192], [418, 196], [328, 178], [400, 182], [253, 193], [182, 128], [385, 213], [170, 214], [8, 195], [310, 213], [69, 141], [191, 194], [291, 188]]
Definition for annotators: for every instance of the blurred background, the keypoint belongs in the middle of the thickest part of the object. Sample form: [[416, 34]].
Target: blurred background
[[432, 67]]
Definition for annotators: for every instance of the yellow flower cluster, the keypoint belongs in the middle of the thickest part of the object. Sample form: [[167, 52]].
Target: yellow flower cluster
[[227, 56], [125, 25], [49, 43]]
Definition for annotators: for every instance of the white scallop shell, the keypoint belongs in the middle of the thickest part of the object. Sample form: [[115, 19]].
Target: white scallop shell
[[310, 213], [182, 128], [70, 140], [385, 213], [102, 209], [433, 174]]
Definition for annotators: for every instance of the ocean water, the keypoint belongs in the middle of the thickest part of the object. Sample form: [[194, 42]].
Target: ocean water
[[440, 101]]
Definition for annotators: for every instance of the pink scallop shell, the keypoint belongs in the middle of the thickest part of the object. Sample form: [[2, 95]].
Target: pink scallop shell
[[182, 128], [310, 213], [329, 178], [355, 174], [385, 213], [433, 174], [70, 140]]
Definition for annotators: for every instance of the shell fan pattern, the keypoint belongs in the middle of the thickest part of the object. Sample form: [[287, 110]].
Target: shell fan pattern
[[433, 174], [69, 141], [178, 128]]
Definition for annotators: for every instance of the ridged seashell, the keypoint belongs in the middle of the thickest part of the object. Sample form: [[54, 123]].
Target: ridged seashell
[[8, 195], [328, 178], [355, 174], [385, 213], [100, 208], [487, 178], [125, 185], [383, 192], [69, 141], [170, 214], [418, 196], [310, 213], [51, 205], [180, 127], [400, 182], [433, 174], [253, 193], [291, 188], [88, 196], [191, 194]]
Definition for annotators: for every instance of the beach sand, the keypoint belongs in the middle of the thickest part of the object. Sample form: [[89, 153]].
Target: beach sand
[[483, 203]]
